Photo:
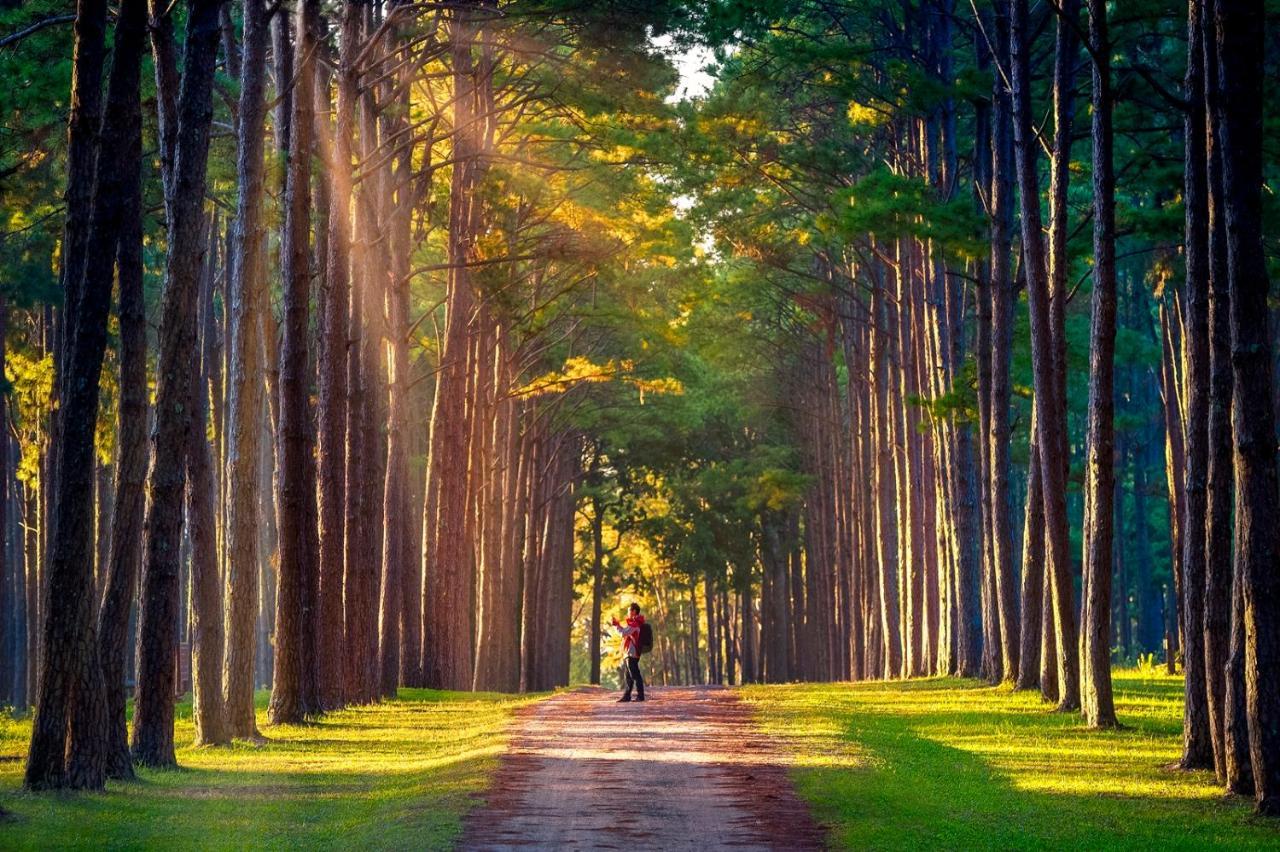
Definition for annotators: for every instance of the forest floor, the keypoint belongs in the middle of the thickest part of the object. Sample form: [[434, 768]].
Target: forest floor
[[951, 764], [397, 775], [688, 769]]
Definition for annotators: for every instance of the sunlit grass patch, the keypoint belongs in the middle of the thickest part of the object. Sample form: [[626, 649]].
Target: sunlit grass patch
[[400, 774], [945, 763]]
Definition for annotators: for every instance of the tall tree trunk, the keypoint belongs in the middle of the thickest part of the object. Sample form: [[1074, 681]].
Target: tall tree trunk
[[292, 657], [1001, 309], [332, 412], [395, 504], [8, 645], [887, 552], [116, 614], [1046, 361], [1197, 739], [1120, 579], [730, 643], [208, 708], [114, 222], [531, 499], [397, 548], [1236, 725], [1150, 596], [713, 631], [747, 628], [774, 639], [83, 128], [597, 585], [68, 630], [114, 229], [248, 297], [32, 550], [152, 739], [1100, 478], [498, 591], [448, 614], [1033, 572], [18, 565], [1230, 752], [360, 578], [909, 543], [1237, 118]]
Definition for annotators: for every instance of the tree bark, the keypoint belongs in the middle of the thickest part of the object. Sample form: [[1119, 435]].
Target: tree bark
[[115, 616], [597, 585], [18, 573], [98, 736], [360, 578], [1150, 596], [247, 295], [67, 632], [1046, 363], [83, 129], [152, 739], [334, 340], [1237, 118], [1229, 752], [1100, 480], [776, 629], [448, 614], [293, 656], [8, 645], [395, 504], [398, 568], [114, 224], [1002, 297], [887, 551], [1197, 740], [1033, 572], [208, 707]]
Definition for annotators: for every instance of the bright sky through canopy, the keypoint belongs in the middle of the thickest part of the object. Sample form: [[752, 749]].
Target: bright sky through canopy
[[692, 63]]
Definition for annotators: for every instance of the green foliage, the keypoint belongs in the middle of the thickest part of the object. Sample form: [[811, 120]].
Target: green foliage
[[1149, 665], [888, 205], [29, 380]]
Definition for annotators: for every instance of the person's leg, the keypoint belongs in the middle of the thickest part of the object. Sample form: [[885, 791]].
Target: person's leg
[[634, 676], [626, 680]]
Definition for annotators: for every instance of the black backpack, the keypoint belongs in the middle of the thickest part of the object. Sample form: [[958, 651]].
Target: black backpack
[[646, 638]]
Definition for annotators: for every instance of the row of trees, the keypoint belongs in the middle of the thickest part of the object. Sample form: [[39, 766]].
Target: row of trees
[[976, 493], [392, 239]]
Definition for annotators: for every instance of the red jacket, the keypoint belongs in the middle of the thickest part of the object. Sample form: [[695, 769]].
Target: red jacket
[[631, 635]]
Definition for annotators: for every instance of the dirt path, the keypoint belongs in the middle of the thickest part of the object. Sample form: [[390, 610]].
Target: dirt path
[[685, 770]]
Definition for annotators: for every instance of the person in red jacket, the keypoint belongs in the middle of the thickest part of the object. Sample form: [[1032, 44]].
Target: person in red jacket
[[631, 653]]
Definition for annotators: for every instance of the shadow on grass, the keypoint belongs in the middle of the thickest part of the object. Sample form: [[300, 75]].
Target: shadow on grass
[[947, 764], [212, 809], [396, 775]]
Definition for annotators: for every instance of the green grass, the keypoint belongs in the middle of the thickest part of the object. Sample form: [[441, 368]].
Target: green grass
[[396, 775], [949, 764]]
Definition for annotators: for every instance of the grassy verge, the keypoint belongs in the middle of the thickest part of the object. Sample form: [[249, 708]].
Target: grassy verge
[[396, 775], [951, 764]]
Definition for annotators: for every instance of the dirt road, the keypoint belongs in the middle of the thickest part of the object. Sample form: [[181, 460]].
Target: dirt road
[[685, 770]]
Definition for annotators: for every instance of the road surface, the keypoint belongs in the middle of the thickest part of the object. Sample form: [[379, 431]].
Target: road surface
[[687, 769]]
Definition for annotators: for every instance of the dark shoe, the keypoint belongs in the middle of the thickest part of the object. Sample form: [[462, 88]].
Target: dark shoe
[[625, 699], [641, 698]]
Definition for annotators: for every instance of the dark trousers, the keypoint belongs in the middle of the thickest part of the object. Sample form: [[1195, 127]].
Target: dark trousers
[[631, 677]]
